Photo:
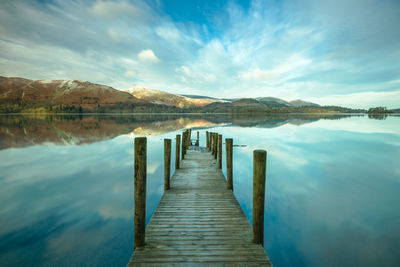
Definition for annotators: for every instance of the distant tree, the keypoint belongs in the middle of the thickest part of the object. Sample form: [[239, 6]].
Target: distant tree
[[378, 110]]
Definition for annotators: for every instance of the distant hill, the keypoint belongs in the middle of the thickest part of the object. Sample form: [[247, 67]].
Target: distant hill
[[272, 105], [72, 96], [23, 95], [301, 103], [164, 98], [201, 97]]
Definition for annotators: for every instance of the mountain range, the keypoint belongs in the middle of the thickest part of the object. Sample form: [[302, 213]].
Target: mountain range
[[73, 96]]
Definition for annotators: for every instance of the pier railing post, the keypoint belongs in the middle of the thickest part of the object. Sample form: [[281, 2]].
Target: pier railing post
[[215, 145], [167, 163], [219, 151], [229, 172], [178, 150], [259, 168], [212, 143], [140, 172], [187, 140], [207, 140], [183, 145]]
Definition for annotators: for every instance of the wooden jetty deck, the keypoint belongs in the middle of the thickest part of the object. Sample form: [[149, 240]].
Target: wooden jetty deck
[[199, 222]]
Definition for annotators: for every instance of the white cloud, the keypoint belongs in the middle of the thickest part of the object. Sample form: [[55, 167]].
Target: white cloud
[[130, 73], [148, 56], [169, 33], [185, 70], [256, 74], [194, 76], [111, 9], [361, 100]]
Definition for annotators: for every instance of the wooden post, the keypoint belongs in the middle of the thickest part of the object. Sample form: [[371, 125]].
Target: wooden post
[[167, 163], [178, 150], [140, 171], [187, 141], [207, 140], [220, 151], [183, 145], [212, 143], [215, 145], [259, 167], [229, 150], [190, 137], [198, 139]]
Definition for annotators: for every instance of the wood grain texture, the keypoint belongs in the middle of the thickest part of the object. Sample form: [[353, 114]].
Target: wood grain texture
[[140, 174], [177, 150], [229, 158], [219, 151], [259, 168], [167, 163], [198, 222]]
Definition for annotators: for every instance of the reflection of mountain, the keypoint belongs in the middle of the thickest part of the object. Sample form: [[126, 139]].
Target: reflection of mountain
[[22, 131]]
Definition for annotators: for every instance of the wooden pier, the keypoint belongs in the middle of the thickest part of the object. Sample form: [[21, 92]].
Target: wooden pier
[[198, 221]]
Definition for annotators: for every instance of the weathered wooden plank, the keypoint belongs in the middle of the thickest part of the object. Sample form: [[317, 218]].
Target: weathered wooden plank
[[199, 222]]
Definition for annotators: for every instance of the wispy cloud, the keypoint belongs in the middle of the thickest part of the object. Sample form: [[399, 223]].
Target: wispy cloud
[[148, 56]]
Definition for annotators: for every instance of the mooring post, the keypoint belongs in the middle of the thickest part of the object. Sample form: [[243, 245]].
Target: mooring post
[[215, 145], [198, 139], [183, 145], [140, 170], [178, 150], [220, 151], [212, 143], [207, 140], [167, 163], [229, 150], [188, 134], [259, 167]]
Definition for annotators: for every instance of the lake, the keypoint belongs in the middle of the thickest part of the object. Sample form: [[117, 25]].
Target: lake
[[332, 190]]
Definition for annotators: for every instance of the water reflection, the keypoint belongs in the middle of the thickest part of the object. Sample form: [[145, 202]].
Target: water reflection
[[66, 189], [29, 130]]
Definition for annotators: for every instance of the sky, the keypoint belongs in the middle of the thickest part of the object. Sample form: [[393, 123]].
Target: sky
[[330, 52]]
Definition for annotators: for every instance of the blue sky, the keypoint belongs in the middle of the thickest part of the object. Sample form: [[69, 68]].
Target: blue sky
[[330, 52]]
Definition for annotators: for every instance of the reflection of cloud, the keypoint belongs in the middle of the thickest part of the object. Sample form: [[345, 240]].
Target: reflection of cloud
[[87, 190], [152, 167], [360, 125], [330, 192], [113, 211]]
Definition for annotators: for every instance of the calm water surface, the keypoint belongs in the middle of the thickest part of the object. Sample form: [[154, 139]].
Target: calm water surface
[[333, 186]]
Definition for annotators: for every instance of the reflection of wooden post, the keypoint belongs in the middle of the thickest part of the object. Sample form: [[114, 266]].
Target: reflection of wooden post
[[167, 162], [198, 139], [229, 148], [259, 166], [215, 145], [220, 151], [183, 145], [178, 150], [140, 167], [207, 140]]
